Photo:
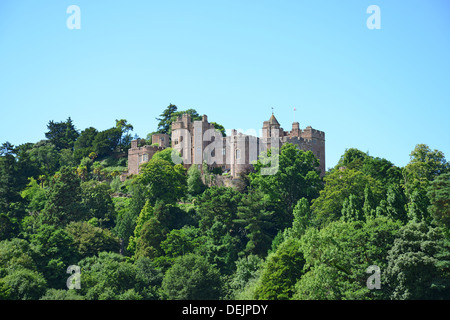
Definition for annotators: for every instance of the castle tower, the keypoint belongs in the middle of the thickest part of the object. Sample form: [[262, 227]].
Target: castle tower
[[187, 138], [271, 128], [181, 137], [308, 139], [295, 130], [316, 141]]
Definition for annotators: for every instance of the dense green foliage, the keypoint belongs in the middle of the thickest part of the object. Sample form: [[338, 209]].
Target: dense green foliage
[[169, 233]]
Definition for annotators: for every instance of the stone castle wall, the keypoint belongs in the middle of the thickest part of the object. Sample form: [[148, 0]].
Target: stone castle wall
[[234, 153]]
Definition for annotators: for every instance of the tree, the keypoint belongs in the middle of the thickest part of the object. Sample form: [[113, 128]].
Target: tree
[[255, 222], [378, 168], [12, 205], [302, 218], [149, 234], [352, 159], [417, 262], [90, 240], [64, 199], [66, 158], [297, 177], [433, 160], [149, 242], [128, 210], [47, 156], [417, 208], [382, 170], [62, 134], [217, 211], [195, 185], [16, 254], [165, 154], [162, 181], [35, 196], [219, 127], [9, 227], [146, 214], [338, 256], [439, 196], [152, 227], [370, 203], [192, 277], [106, 142], [218, 204], [85, 143], [125, 140], [10, 184], [396, 203], [182, 241], [248, 270], [109, 276], [125, 222], [352, 209], [25, 284], [424, 166], [55, 250], [281, 272], [61, 294], [26, 167], [222, 247], [148, 278], [339, 184], [165, 119], [96, 199]]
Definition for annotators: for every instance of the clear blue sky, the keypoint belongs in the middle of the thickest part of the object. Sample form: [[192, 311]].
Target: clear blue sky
[[382, 91]]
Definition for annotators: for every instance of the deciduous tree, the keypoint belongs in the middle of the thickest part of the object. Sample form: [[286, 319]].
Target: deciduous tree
[[192, 277]]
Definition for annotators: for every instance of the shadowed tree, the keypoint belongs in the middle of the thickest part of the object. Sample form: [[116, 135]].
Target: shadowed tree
[[62, 134]]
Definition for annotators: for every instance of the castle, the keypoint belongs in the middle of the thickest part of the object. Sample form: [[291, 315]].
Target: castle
[[198, 141]]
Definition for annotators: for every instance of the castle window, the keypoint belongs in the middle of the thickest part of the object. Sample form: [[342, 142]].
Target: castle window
[[145, 158], [238, 154]]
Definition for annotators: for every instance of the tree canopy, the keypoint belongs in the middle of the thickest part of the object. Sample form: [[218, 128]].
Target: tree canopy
[[173, 233]]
